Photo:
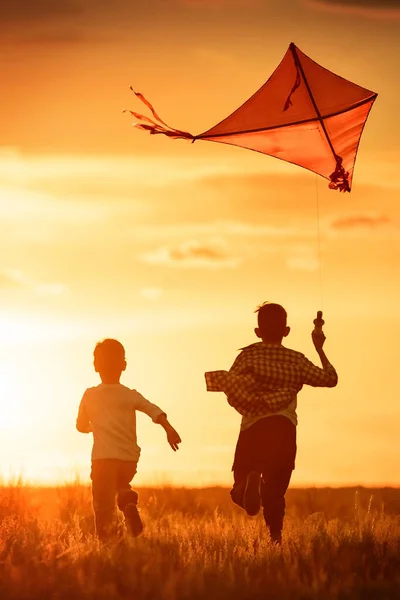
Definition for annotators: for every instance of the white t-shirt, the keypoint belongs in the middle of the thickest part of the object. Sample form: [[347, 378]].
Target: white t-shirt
[[109, 411]]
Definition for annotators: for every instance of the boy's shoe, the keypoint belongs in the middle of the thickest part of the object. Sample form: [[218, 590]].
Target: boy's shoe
[[237, 492], [252, 496], [133, 520]]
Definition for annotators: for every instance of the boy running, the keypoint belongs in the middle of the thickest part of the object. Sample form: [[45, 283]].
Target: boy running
[[109, 411], [262, 385]]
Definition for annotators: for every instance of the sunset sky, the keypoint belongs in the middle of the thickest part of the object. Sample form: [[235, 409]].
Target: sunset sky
[[170, 246]]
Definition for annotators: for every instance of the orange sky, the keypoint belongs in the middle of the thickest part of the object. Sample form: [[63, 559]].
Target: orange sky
[[170, 246]]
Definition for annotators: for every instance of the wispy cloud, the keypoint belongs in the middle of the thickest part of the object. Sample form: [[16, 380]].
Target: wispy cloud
[[302, 258], [217, 4], [361, 221], [381, 9], [75, 21], [74, 171], [39, 10], [193, 255], [26, 10], [152, 293], [236, 229], [16, 279], [8, 281], [41, 21], [302, 263]]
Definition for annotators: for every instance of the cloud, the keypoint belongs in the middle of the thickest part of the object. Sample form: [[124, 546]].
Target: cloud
[[7, 281], [18, 205], [360, 221], [39, 22], [302, 263], [104, 172], [50, 289], [192, 255], [15, 279], [151, 293], [63, 35], [385, 4], [234, 229], [383, 9], [303, 258], [76, 21], [217, 4], [38, 10]]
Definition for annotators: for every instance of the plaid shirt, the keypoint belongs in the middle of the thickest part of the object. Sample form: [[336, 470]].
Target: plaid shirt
[[266, 378]]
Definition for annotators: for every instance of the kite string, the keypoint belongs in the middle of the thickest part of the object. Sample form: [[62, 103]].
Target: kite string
[[321, 288]]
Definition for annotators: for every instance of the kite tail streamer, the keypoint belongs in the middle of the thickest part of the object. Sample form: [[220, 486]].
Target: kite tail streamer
[[158, 125]]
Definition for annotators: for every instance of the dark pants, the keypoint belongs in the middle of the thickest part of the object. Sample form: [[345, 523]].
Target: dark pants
[[269, 447], [111, 482]]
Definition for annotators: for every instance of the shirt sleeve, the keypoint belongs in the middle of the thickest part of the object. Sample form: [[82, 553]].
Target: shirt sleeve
[[244, 394], [143, 405], [82, 422], [317, 377], [216, 381]]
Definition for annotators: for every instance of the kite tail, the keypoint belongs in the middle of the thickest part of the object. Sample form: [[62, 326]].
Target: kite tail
[[340, 177], [157, 125]]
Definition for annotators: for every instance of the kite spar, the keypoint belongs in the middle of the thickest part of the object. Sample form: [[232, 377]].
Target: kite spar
[[304, 114]]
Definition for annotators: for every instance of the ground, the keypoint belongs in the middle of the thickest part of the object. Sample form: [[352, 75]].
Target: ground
[[338, 543]]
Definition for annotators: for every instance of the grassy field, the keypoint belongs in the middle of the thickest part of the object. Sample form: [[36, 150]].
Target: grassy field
[[338, 543]]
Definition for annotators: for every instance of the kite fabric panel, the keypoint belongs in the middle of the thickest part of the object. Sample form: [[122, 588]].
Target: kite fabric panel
[[304, 114]]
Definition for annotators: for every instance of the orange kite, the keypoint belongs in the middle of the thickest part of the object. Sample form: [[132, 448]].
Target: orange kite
[[304, 114]]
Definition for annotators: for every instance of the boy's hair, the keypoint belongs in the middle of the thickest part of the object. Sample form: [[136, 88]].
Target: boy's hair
[[271, 320], [109, 352]]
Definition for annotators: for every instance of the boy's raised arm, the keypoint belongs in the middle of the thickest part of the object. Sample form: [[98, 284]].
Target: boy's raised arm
[[315, 376]]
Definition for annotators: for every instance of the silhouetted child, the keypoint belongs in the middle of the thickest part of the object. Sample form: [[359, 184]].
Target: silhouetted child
[[262, 385], [109, 411]]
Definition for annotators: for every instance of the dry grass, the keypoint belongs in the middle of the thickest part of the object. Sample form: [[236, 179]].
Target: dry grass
[[338, 544]]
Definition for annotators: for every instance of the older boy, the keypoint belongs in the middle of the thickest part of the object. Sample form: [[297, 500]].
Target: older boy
[[109, 411], [262, 385]]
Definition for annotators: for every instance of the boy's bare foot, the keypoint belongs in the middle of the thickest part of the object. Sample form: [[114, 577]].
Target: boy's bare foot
[[252, 497], [133, 520]]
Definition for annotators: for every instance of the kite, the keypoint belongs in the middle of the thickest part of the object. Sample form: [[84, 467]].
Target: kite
[[304, 114]]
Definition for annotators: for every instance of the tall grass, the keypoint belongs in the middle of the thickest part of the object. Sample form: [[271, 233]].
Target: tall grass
[[196, 544]]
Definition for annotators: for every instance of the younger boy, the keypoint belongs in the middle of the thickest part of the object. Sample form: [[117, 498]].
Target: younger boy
[[109, 411], [262, 385]]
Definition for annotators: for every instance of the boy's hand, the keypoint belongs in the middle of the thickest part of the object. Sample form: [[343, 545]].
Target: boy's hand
[[318, 338], [173, 438]]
